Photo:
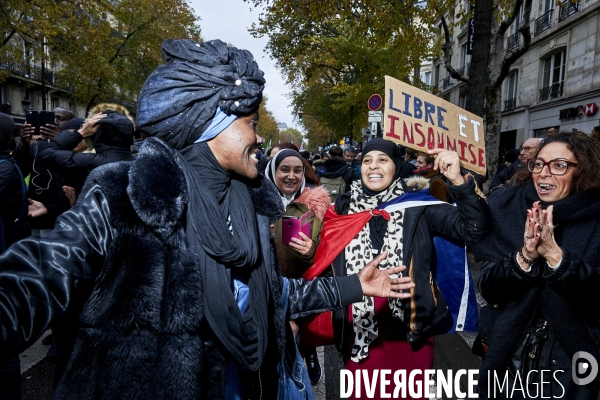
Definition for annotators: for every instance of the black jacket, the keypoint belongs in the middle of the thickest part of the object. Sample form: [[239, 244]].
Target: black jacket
[[334, 167], [505, 174], [58, 156], [470, 221], [11, 198], [116, 270], [45, 186]]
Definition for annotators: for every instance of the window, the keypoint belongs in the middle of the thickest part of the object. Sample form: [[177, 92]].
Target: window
[[28, 101], [462, 101], [4, 94], [554, 75], [511, 91], [548, 5], [427, 78], [54, 102], [437, 74], [463, 55], [5, 106]]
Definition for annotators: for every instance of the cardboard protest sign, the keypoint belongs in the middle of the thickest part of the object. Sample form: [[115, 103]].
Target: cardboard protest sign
[[422, 121]]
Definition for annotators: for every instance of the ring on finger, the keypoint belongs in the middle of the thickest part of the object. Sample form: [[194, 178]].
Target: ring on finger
[[528, 236]]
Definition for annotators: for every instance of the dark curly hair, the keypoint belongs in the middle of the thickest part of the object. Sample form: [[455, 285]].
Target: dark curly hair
[[587, 154]]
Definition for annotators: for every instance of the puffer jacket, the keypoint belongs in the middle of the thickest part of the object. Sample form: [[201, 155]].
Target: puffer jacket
[[118, 276], [315, 200], [470, 221]]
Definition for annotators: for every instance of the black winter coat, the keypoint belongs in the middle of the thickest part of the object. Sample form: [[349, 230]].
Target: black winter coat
[[470, 221], [11, 198], [45, 186], [59, 157], [117, 272]]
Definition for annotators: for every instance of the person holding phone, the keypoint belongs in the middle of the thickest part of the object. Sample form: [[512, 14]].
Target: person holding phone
[[286, 171], [46, 197]]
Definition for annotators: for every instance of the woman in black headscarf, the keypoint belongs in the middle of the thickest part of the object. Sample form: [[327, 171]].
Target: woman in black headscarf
[[396, 334]]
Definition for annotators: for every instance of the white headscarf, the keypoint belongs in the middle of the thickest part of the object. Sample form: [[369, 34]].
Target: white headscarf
[[271, 172]]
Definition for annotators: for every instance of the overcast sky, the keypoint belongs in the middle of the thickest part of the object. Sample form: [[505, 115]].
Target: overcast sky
[[229, 21]]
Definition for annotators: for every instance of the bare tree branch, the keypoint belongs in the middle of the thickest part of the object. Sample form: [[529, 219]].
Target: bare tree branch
[[447, 48], [513, 56]]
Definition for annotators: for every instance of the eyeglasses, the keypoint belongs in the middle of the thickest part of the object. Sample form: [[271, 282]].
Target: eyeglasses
[[527, 148], [557, 167]]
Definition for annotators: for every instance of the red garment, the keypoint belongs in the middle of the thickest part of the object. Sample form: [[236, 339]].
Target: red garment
[[337, 232], [387, 352]]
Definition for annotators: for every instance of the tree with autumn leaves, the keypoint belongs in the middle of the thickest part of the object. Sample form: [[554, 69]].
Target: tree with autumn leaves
[[336, 55], [104, 50]]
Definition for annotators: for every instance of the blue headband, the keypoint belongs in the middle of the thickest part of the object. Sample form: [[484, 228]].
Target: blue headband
[[218, 124]]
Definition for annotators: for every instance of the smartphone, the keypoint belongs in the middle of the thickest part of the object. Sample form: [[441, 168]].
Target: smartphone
[[292, 226], [46, 117], [33, 118]]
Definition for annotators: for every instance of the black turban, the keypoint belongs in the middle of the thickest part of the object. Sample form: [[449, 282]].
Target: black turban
[[180, 98]]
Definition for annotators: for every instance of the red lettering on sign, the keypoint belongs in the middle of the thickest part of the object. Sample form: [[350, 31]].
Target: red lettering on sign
[[430, 139], [418, 129], [474, 159], [440, 140], [392, 133], [482, 158], [463, 145], [450, 146], [408, 136]]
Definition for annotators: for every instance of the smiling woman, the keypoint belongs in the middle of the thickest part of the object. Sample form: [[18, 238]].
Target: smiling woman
[[541, 266], [396, 335]]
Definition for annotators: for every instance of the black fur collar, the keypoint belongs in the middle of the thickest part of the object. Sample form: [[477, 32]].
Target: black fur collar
[[159, 194]]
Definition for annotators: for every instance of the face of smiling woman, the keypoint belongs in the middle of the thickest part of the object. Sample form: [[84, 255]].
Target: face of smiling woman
[[554, 187], [377, 170], [288, 176]]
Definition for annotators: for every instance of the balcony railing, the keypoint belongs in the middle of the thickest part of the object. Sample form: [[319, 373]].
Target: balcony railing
[[544, 22], [28, 71], [446, 83], [550, 92], [510, 104], [512, 42], [464, 70], [568, 9]]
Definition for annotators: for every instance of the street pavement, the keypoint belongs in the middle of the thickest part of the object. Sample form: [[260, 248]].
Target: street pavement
[[452, 352]]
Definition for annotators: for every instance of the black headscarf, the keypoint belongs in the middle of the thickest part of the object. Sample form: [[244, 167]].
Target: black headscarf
[[217, 202], [391, 150], [180, 98]]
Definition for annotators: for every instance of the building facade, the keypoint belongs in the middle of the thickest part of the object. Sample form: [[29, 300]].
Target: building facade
[[556, 83], [25, 79]]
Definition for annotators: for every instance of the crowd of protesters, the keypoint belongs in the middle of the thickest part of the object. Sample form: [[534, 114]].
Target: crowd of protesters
[[173, 269]]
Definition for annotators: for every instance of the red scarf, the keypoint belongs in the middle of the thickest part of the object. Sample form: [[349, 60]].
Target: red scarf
[[337, 232]]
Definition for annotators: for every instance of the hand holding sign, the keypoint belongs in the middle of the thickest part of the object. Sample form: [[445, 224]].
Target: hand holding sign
[[448, 163], [422, 121]]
